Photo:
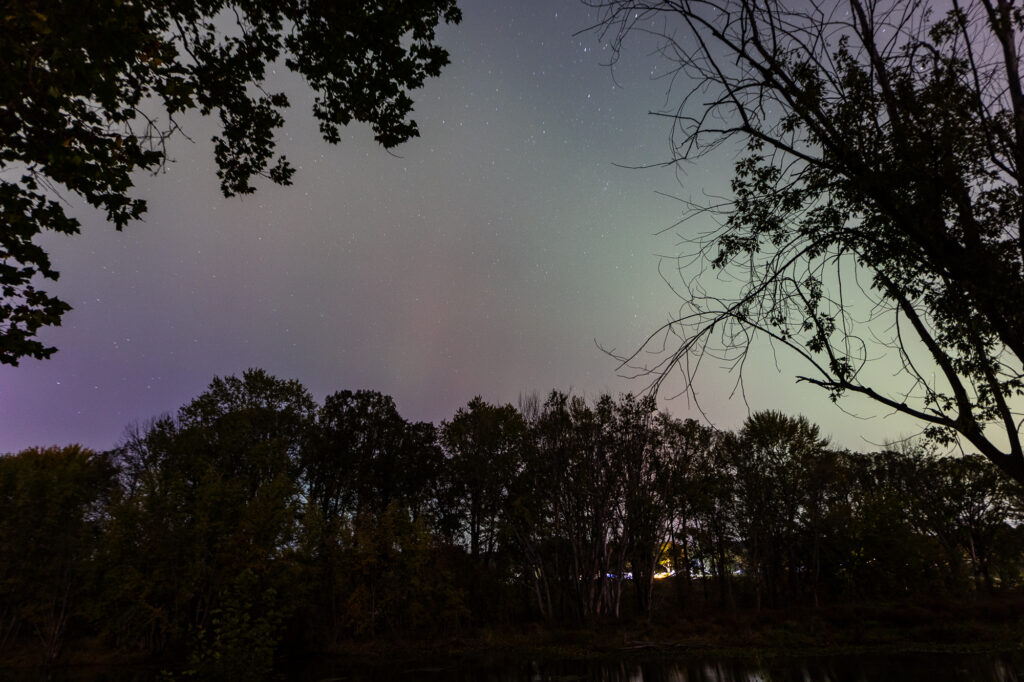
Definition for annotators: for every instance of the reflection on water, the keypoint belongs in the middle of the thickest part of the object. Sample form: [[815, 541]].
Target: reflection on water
[[902, 668], [871, 668]]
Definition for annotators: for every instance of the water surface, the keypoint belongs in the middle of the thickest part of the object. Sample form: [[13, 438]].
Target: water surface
[[847, 668], [863, 668]]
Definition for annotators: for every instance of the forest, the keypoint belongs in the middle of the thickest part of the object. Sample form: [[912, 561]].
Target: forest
[[256, 521]]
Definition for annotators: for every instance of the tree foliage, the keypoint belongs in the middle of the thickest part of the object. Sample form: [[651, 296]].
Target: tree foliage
[[210, 500], [52, 503], [878, 200], [484, 445], [256, 522], [364, 455], [93, 91]]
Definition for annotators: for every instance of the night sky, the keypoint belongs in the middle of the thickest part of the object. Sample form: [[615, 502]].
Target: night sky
[[489, 256]]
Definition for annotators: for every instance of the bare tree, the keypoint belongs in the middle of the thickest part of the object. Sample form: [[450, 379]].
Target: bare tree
[[877, 203]]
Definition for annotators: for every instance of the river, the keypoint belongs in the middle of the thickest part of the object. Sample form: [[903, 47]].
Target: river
[[917, 667], [861, 668]]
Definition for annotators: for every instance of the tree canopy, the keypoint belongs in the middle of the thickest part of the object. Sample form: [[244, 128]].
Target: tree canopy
[[257, 522], [877, 201], [92, 92]]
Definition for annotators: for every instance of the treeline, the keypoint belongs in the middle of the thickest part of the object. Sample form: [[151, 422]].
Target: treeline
[[255, 519]]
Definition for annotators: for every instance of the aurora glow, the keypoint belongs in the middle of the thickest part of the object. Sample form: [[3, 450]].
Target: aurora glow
[[486, 258]]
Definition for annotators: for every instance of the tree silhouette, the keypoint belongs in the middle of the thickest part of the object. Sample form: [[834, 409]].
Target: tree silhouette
[[878, 201], [50, 523], [484, 444], [84, 84]]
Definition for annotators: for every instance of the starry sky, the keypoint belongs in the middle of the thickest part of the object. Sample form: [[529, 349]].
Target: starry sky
[[494, 255]]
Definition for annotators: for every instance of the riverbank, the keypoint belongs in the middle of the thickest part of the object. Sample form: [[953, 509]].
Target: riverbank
[[970, 626], [953, 627]]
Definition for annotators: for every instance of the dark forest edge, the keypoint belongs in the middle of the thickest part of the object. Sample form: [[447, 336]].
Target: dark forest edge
[[256, 524]]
